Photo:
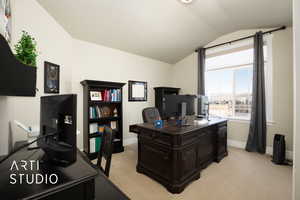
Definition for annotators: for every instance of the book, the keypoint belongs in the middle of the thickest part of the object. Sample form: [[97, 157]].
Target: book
[[93, 128], [92, 145], [97, 112], [101, 129], [113, 125], [98, 144], [112, 95]]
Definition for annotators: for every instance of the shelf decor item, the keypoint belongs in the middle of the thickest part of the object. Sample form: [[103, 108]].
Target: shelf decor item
[[102, 107], [26, 50], [16, 78], [137, 91], [95, 96], [5, 19], [51, 78]]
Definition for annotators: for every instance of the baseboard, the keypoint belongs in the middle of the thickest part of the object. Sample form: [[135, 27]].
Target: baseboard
[[269, 149], [130, 141]]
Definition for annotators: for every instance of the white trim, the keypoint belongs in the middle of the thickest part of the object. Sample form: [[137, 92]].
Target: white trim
[[130, 141], [246, 42], [241, 66], [269, 149]]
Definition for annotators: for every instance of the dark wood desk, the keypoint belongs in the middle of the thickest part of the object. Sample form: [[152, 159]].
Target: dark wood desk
[[77, 181], [174, 156]]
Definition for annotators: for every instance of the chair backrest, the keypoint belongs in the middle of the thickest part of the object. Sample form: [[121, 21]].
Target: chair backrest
[[106, 150], [150, 115]]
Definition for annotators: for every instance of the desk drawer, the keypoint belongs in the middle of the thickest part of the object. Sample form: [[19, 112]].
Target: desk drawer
[[156, 159], [194, 136], [155, 137], [190, 137]]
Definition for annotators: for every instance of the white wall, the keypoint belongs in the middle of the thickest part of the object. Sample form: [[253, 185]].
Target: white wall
[[82, 60], [102, 63], [185, 77], [55, 45], [78, 61], [184, 74], [296, 177]]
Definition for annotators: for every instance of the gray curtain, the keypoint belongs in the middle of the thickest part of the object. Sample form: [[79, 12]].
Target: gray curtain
[[201, 74], [258, 126]]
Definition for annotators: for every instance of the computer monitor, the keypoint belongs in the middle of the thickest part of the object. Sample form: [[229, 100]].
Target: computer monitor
[[58, 115], [175, 104]]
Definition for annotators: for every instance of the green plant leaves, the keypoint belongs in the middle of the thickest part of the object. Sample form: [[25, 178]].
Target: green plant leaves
[[25, 49]]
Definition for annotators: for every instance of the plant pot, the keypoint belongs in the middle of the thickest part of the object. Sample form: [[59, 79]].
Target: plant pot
[[16, 79]]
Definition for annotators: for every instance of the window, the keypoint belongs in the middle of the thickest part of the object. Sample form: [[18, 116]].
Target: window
[[228, 80]]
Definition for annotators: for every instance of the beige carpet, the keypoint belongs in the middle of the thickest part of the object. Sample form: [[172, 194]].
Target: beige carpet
[[240, 176]]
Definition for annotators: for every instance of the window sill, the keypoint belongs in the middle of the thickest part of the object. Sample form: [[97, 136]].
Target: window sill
[[247, 121]]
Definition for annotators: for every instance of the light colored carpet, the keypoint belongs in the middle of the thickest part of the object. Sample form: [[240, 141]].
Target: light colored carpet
[[240, 176]]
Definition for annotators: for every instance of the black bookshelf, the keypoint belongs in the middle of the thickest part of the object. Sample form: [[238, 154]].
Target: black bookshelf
[[105, 120], [160, 92]]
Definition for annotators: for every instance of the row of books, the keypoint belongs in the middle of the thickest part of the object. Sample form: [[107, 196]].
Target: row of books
[[112, 95], [95, 144], [97, 128], [97, 112]]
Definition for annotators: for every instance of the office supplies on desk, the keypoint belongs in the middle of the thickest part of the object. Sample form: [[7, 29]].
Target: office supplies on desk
[[158, 123]]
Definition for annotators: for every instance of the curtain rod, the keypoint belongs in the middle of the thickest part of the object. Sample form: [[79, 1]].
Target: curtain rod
[[244, 38]]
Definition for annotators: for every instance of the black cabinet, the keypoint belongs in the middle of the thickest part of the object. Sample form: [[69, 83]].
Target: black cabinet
[[160, 92]]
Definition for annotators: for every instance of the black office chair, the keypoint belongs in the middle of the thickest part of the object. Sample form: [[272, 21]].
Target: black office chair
[[150, 115], [106, 150]]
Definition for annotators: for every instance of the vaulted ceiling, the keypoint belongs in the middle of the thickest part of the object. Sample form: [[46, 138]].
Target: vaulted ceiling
[[165, 30]]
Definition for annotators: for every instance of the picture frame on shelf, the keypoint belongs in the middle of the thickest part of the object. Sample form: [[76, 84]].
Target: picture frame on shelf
[[51, 77], [95, 96], [137, 91]]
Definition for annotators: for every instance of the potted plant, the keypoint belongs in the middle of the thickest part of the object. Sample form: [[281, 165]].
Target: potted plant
[[18, 72], [26, 51]]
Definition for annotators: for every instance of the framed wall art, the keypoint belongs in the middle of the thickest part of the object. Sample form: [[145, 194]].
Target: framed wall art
[[51, 78], [137, 91]]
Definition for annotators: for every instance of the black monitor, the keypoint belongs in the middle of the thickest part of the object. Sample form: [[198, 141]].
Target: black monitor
[[173, 105], [58, 115]]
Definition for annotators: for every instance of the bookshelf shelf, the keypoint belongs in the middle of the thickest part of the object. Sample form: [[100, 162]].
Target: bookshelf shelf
[[104, 119], [108, 101], [93, 135]]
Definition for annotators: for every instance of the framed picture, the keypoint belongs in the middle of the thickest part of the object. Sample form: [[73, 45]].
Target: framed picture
[[95, 96], [137, 91], [5, 19], [51, 78]]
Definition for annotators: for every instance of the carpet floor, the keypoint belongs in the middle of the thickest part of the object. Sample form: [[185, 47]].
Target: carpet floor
[[239, 176]]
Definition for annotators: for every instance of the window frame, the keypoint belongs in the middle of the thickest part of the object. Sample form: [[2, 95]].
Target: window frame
[[268, 73]]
